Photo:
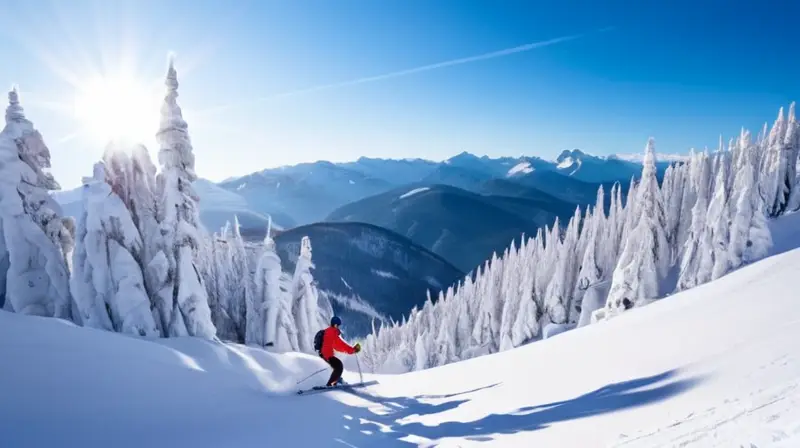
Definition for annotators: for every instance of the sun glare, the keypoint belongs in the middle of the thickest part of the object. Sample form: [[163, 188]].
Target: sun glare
[[117, 108]]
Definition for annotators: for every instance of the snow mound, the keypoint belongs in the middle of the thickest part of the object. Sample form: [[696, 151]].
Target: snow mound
[[413, 192]]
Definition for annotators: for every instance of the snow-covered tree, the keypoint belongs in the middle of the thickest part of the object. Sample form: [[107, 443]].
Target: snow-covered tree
[[558, 295], [645, 260], [132, 176], [750, 238], [718, 223], [108, 285], [182, 298], [305, 299], [526, 321], [272, 322], [37, 239], [784, 144], [592, 268], [693, 272]]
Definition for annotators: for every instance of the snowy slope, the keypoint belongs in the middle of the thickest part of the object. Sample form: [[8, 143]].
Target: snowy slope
[[718, 365]]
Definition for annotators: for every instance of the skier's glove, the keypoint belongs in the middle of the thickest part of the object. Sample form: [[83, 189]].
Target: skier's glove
[[357, 348]]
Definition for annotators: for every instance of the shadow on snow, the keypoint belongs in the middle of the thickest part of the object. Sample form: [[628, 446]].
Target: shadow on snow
[[611, 398]]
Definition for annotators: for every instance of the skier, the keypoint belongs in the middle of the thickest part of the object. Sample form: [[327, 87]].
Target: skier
[[332, 341]]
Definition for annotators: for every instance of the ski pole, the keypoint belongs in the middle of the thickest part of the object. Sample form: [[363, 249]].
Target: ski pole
[[360, 376], [309, 376]]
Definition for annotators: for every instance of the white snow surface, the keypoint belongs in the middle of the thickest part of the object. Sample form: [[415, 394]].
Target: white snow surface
[[383, 274], [522, 167], [715, 366], [413, 192]]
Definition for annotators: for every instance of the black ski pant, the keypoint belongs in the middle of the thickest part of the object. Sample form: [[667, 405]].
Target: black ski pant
[[337, 370]]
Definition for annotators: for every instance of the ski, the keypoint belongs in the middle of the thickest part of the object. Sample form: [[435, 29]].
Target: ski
[[317, 389]]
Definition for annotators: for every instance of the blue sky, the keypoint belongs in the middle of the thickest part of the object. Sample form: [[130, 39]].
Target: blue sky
[[683, 72]]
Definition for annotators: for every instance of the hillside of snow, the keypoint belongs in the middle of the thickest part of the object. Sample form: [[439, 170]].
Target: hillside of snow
[[718, 365]]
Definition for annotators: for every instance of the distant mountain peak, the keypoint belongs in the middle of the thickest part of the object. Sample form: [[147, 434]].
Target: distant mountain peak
[[574, 154], [462, 156]]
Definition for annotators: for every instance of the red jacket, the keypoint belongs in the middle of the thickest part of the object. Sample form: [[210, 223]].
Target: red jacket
[[332, 341]]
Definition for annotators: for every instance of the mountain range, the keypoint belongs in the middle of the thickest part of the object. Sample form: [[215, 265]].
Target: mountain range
[[309, 192], [411, 225]]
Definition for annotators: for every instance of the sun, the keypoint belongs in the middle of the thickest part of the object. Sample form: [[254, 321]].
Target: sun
[[117, 108]]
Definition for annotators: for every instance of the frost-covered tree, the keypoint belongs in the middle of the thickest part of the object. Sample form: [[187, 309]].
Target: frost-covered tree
[[592, 267], [305, 299], [750, 238], [784, 145], [526, 321], [645, 260], [488, 307], [690, 173], [693, 270], [241, 291], [38, 240], [182, 298], [272, 322], [673, 192], [510, 294], [132, 176], [718, 223], [108, 285], [558, 295], [227, 277]]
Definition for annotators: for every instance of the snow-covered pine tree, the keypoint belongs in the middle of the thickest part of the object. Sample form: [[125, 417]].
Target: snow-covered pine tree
[[445, 350], [220, 280], [691, 173], [526, 321], [645, 259], [784, 144], [182, 296], [510, 294], [673, 192], [630, 215], [718, 223], [486, 307], [90, 304], [241, 288], [305, 299], [611, 238], [774, 167], [558, 295], [750, 238], [791, 150], [37, 239], [592, 269], [273, 304], [108, 256], [132, 178], [697, 241]]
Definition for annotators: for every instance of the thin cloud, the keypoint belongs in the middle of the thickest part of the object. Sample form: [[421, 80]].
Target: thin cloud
[[411, 71]]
